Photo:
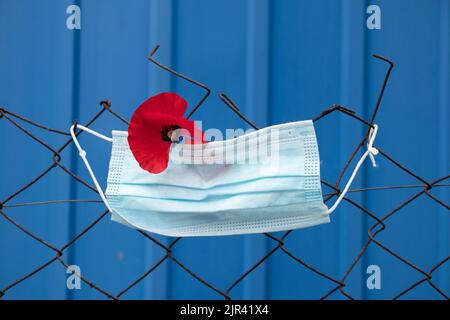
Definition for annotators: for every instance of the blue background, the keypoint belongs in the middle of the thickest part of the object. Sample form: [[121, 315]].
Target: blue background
[[280, 61]]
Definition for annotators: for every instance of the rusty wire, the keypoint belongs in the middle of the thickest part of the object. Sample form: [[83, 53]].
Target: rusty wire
[[380, 223]]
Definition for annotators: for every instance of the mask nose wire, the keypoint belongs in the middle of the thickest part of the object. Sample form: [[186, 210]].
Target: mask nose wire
[[371, 152], [83, 156]]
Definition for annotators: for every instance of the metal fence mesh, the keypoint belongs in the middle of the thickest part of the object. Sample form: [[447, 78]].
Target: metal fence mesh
[[379, 223]]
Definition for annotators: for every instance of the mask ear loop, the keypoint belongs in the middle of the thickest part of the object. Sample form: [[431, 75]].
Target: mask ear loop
[[83, 156], [371, 152]]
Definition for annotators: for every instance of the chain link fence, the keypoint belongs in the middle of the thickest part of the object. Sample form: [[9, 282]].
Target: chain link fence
[[380, 223]]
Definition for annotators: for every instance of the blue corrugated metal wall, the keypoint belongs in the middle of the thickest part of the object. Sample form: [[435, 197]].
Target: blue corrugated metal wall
[[281, 61]]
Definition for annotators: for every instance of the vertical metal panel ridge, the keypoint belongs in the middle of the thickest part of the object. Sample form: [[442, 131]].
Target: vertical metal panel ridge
[[257, 58], [257, 107], [365, 112], [160, 33], [352, 95], [75, 112], [444, 100]]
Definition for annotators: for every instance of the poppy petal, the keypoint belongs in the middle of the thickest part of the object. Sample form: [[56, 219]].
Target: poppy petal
[[146, 144], [166, 102], [147, 125]]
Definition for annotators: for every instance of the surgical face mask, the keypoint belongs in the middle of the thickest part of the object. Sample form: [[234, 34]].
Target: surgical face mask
[[201, 194]]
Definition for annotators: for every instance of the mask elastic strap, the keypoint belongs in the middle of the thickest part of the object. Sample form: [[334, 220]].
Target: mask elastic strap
[[370, 152], [85, 160]]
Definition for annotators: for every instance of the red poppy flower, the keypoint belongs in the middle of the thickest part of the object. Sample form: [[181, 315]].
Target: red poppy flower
[[152, 130]]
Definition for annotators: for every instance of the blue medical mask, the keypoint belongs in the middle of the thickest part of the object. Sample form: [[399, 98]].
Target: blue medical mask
[[204, 193]]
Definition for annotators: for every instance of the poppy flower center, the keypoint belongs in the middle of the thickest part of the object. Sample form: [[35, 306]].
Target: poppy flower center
[[168, 133]]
